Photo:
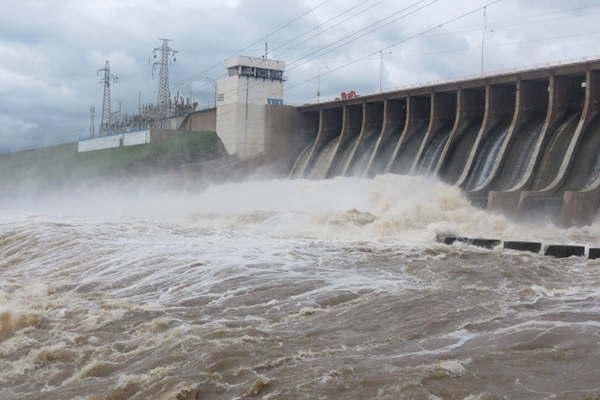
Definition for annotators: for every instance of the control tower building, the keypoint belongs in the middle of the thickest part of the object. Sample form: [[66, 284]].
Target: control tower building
[[243, 96]]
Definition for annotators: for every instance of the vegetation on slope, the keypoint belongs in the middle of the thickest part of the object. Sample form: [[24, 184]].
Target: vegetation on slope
[[63, 164]]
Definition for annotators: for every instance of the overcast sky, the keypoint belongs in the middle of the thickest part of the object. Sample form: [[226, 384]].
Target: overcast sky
[[51, 49]]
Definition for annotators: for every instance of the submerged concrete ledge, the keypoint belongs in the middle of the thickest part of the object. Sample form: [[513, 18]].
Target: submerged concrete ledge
[[551, 250], [562, 251], [533, 247]]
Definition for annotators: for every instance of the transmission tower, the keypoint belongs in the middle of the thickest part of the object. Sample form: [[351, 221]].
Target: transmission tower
[[92, 121], [105, 79], [165, 54]]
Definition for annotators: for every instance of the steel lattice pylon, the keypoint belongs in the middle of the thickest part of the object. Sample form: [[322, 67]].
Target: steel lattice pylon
[[105, 79], [166, 54], [92, 121]]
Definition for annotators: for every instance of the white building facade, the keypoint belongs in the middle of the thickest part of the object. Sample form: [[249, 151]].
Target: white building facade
[[242, 98], [115, 141]]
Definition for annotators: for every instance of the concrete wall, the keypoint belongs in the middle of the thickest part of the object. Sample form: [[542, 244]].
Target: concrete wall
[[200, 121], [136, 138], [288, 132], [169, 123], [161, 135], [106, 142]]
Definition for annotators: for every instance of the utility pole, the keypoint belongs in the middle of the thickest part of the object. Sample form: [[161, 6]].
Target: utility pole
[[381, 55], [105, 79], [92, 121], [319, 84], [165, 54], [483, 40]]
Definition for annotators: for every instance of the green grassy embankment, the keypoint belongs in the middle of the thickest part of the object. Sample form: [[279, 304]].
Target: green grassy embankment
[[63, 164]]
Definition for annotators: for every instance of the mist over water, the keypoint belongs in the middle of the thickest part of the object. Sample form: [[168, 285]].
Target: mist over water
[[287, 289]]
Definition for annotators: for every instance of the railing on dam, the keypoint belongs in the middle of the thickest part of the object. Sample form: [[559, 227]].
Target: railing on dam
[[524, 142], [490, 74]]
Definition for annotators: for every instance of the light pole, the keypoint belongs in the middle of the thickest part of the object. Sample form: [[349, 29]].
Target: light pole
[[214, 82], [381, 55], [319, 84], [483, 41]]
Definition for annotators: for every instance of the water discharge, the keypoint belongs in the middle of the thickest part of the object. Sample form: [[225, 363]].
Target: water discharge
[[288, 290], [487, 157], [433, 151]]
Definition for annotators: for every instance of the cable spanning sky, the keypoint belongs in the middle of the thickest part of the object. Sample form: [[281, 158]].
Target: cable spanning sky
[[48, 65]]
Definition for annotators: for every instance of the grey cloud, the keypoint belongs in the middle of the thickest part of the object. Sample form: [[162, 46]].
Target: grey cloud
[[52, 49]]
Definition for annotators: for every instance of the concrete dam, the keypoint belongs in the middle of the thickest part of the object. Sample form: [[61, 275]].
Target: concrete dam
[[524, 143]]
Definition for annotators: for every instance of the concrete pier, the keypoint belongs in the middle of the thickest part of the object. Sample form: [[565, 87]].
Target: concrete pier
[[469, 117], [518, 147], [332, 158], [443, 114], [418, 112], [484, 160], [505, 197], [359, 154], [577, 163], [394, 120], [330, 125]]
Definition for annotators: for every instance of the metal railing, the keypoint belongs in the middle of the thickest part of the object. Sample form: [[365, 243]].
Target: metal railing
[[470, 77]]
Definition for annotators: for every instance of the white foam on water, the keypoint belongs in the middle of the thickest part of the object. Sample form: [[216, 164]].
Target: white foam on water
[[261, 255], [387, 207], [390, 207]]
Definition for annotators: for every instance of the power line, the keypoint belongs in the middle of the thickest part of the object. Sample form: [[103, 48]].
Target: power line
[[366, 31], [521, 22], [436, 27], [495, 28], [478, 28], [411, 37], [447, 22], [373, 25], [361, 3], [329, 28], [279, 29], [498, 45]]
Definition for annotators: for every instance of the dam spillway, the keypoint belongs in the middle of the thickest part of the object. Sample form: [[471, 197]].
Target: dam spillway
[[525, 142]]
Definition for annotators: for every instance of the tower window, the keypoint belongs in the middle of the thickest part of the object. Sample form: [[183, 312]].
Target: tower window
[[262, 73]]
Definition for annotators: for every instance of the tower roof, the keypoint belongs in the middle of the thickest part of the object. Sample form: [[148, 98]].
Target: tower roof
[[256, 62]]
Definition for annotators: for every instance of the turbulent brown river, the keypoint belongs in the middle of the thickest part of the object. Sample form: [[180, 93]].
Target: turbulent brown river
[[289, 290]]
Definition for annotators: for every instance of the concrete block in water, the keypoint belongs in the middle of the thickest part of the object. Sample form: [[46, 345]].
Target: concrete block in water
[[533, 247], [594, 253], [485, 243], [450, 240], [563, 251]]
